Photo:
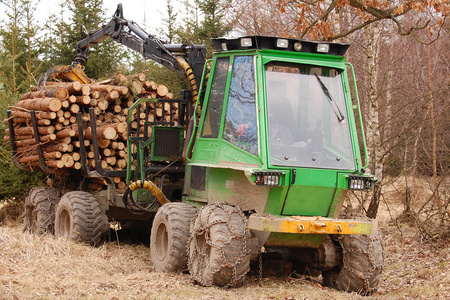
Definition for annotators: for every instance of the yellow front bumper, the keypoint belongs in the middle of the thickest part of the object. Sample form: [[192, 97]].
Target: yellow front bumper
[[311, 225]]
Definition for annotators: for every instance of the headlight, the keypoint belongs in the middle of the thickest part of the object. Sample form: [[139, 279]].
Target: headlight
[[246, 42], [282, 43], [360, 183], [324, 48], [268, 178]]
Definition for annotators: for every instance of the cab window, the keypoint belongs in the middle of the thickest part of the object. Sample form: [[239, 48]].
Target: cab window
[[240, 120]]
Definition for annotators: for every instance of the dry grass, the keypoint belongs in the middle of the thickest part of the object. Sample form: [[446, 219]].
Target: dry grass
[[42, 267]]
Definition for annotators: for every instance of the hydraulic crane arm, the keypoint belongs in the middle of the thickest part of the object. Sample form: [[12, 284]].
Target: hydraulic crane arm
[[186, 60]]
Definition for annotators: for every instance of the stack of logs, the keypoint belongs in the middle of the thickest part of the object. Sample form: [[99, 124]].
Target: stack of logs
[[56, 107]]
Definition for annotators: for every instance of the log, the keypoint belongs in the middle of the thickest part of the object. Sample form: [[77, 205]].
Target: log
[[40, 115], [121, 163], [85, 89], [32, 158], [120, 127], [139, 76], [74, 108], [76, 156], [121, 185], [29, 130], [111, 160], [65, 104], [32, 141], [119, 79], [56, 164], [150, 86], [102, 143], [60, 93], [68, 161], [68, 132], [103, 132], [86, 100], [136, 88], [43, 104], [71, 87], [112, 96], [101, 87], [61, 147], [162, 90], [102, 104], [122, 90], [95, 94]]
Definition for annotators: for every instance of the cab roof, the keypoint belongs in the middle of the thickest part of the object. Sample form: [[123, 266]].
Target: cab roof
[[277, 43]]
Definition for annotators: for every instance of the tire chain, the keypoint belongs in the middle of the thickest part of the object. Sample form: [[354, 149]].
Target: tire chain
[[375, 266], [32, 207], [201, 254]]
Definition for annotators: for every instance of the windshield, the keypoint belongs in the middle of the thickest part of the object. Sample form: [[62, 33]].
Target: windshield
[[307, 117]]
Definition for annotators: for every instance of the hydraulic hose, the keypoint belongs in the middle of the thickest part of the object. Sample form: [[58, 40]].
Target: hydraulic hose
[[153, 188], [190, 76], [134, 207]]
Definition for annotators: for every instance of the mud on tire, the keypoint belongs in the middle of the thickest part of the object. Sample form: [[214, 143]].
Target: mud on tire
[[39, 212], [360, 270], [218, 250], [170, 235], [79, 218]]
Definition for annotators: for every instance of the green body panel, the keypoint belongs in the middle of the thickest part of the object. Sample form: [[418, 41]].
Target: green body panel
[[312, 193]]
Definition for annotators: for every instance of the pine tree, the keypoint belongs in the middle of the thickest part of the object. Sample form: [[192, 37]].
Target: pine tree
[[19, 60], [65, 32]]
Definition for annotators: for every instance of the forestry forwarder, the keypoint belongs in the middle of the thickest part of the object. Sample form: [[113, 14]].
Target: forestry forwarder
[[269, 156]]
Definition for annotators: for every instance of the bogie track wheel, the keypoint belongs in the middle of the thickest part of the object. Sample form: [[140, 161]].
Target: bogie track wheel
[[79, 218], [39, 212], [361, 266], [170, 235], [218, 247]]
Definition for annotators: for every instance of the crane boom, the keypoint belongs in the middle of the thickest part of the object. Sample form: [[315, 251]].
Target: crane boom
[[128, 33]]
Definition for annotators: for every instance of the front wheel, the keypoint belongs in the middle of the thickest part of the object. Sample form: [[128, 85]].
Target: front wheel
[[170, 235], [79, 218], [361, 266], [218, 247]]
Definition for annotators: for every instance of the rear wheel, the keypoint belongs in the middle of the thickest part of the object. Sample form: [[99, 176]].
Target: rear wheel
[[39, 213], [361, 266], [218, 247], [170, 235], [79, 218]]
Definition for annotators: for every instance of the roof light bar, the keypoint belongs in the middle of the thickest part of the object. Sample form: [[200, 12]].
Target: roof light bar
[[278, 43]]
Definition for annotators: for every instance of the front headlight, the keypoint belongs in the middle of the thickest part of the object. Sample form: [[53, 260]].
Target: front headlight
[[268, 178], [360, 183]]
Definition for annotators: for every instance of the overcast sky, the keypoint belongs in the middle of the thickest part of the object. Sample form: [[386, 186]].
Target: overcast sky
[[152, 11]]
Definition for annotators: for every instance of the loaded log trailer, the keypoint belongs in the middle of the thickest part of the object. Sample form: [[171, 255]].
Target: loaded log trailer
[[259, 163]]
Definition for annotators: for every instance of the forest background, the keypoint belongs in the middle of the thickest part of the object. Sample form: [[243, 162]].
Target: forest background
[[400, 51]]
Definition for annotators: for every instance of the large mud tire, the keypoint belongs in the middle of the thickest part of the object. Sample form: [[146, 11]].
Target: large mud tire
[[79, 218], [361, 267], [170, 235], [39, 212], [218, 247]]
